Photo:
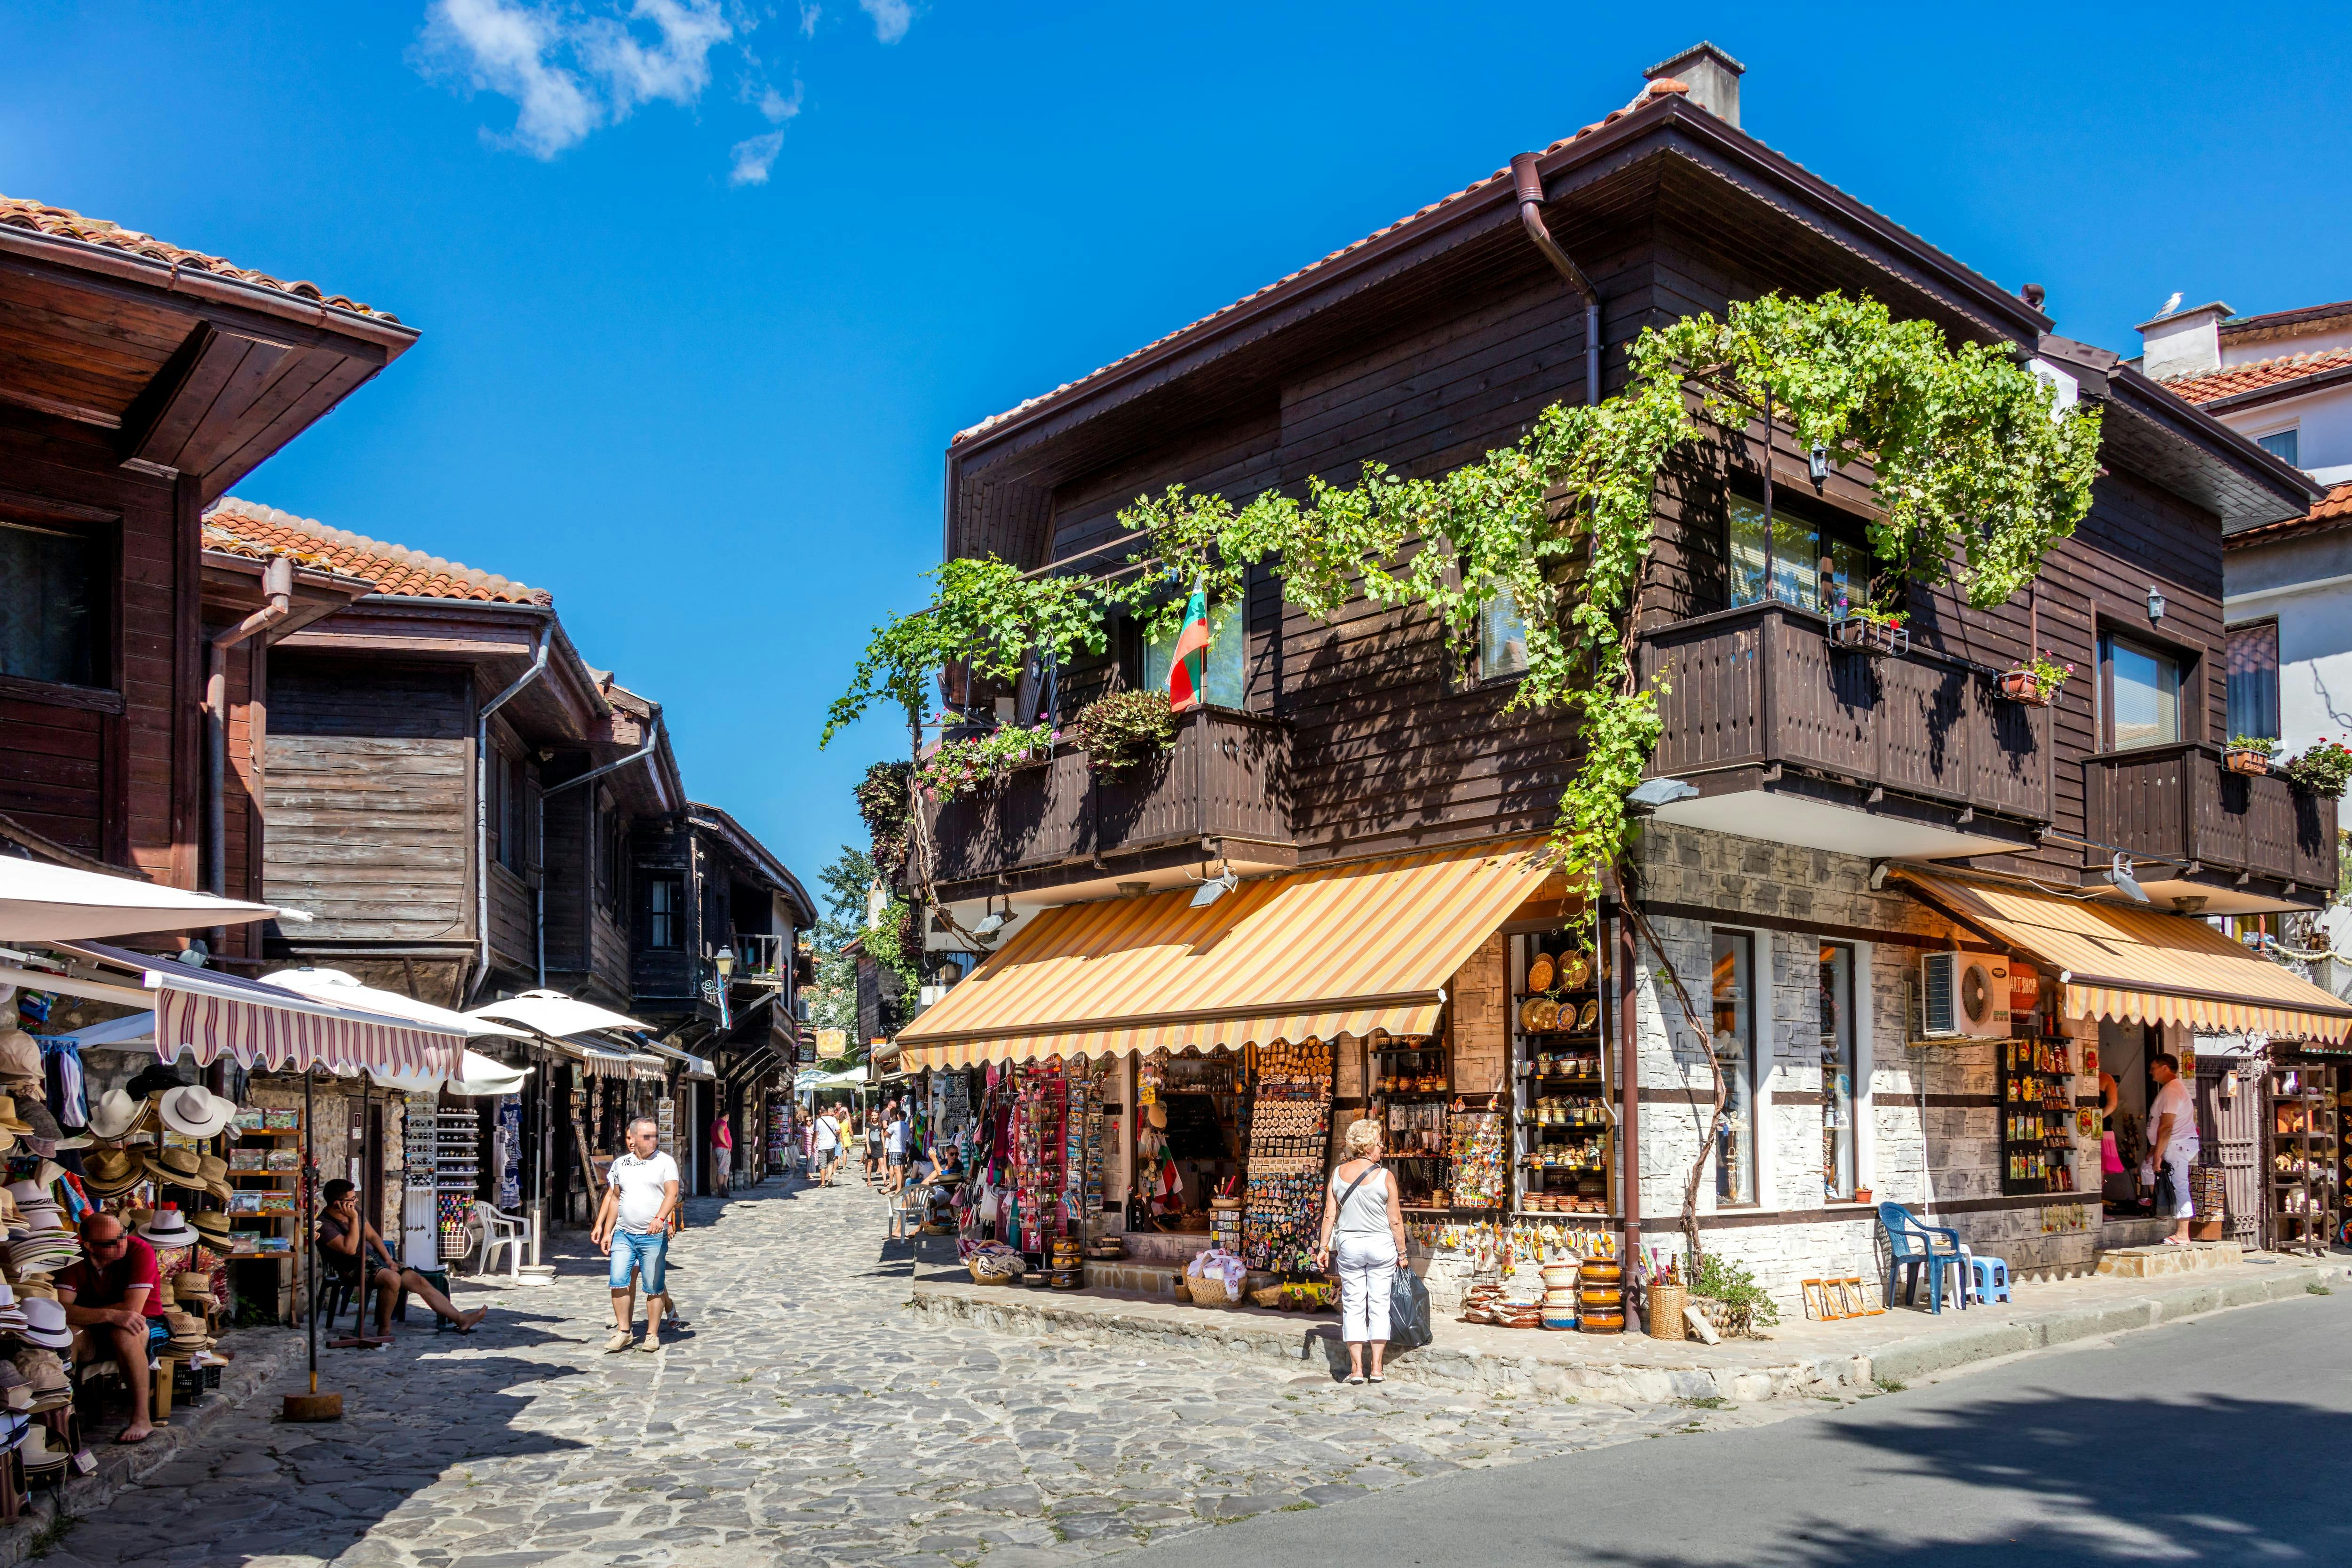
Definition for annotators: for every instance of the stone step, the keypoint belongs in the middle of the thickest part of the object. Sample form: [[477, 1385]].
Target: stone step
[[2150, 1262]]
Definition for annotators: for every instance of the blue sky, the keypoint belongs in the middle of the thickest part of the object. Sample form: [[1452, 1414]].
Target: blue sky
[[705, 289]]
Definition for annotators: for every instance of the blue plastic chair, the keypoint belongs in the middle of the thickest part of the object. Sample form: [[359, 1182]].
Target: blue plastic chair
[[1912, 1247]]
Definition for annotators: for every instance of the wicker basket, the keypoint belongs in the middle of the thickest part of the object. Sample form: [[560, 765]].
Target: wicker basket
[[1666, 1304], [1211, 1290], [997, 1269], [1271, 1297]]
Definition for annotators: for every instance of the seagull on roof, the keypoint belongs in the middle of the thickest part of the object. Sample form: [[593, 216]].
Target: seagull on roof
[[2171, 305]]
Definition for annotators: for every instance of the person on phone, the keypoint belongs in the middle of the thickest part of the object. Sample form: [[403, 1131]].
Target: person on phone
[[633, 1229], [1363, 1236], [345, 1241]]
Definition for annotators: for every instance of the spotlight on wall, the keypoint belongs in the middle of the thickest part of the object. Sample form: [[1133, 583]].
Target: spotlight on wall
[[1215, 887], [1652, 793], [2120, 873], [994, 920]]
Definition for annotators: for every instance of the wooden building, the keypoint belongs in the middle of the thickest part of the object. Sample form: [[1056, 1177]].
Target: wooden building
[[1814, 773], [138, 381]]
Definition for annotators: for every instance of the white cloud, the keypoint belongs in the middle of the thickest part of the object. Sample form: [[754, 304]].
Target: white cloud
[[676, 67], [891, 18], [753, 157], [568, 74], [777, 107], [809, 12], [506, 48]]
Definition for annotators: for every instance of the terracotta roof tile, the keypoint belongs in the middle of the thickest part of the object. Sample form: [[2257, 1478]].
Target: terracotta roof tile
[[244, 528], [64, 223], [2331, 511], [1661, 87], [2237, 378]]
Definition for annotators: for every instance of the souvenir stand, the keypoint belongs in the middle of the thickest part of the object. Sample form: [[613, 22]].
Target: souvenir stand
[[2303, 1157], [1289, 1115], [1051, 1168]]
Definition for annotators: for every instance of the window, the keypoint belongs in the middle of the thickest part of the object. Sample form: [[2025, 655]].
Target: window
[[1226, 685], [1502, 636], [514, 834], [1828, 574], [1735, 1051], [53, 615], [665, 912], [1838, 1177], [2254, 680], [2281, 445], [2143, 696]]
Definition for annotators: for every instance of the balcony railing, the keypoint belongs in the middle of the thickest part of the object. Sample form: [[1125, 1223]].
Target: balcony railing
[[1225, 778], [1760, 688], [2179, 803]]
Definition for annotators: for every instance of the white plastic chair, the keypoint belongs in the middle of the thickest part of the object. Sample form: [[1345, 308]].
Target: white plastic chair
[[509, 1231]]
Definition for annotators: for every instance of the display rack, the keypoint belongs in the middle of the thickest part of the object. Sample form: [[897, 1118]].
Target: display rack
[[2302, 1161], [1412, 1081], [2036, 1089], [420, 1241], [456, 1179], [1290, 1134], [1564, 1129], [265, 1172]]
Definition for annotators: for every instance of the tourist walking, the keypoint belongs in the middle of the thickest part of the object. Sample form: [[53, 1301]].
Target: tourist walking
[[895, 1147], [1363, 1234], [633, 1229], [872, 1146], [828, 1145], [723, 1156]]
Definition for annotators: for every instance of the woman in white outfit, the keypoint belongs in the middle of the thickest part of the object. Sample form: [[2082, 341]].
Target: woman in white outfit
[[2172, 1145], [1363, 1234]]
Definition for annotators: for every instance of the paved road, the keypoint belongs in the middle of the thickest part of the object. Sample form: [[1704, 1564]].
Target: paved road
[[2220, 1440], [804, 1420]]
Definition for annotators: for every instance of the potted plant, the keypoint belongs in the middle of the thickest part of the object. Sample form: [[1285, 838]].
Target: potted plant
[[1124, 729], [2324, 768], [1866, 628], [2248, 754], [2035, 681], [981, 762]]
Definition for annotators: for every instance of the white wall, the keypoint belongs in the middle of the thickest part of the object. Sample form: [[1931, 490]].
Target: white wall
[[2324, 420]]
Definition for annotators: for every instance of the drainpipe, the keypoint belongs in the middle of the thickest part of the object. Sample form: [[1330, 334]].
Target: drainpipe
[[592, 775], [482, 803], [277, 582], [1531, 196]]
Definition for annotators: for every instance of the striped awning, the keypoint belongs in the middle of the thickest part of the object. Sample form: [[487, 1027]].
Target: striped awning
[[2133, 964], [1363, 950]]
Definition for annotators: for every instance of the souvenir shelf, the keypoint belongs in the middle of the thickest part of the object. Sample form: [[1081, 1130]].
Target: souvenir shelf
[[1563, 1138], [2037, 1114], [2303, 1157], [1042, 1134], [265, 1174], [456, 1163], [1410, 1083], [1290, 1134]]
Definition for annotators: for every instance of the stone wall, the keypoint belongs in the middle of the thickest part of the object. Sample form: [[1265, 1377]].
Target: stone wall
[[1942, 1155]]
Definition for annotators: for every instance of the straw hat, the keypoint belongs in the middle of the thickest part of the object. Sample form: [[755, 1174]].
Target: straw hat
[[9, 1121], [42, 1450], [169, 1228], [213, 1225], [214, 1171], [109, 1171], [196, 1111], [116, 1115], [45, 1325], [192, 1284], [20, 1055], [178, 1167]]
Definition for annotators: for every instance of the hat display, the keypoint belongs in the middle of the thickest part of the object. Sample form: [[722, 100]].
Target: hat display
[[42, 1450], [112, 1171], [193, 1110], [214, 1171], [116, 1115], [36, 1285], [188, 1334], [45, 1325], [43, 1252], [169, 1228], [213, 1225], [9, 1121], [36, 1115]]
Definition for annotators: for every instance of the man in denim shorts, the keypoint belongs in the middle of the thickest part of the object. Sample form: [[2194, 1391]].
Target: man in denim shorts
[[633, 1229]]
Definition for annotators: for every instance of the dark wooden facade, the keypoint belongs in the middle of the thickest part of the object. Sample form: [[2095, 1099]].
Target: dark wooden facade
[[1442, 339], [728, 892], [135, 386]]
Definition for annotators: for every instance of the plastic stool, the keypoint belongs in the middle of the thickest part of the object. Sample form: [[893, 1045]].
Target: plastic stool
[[1990, 1278]]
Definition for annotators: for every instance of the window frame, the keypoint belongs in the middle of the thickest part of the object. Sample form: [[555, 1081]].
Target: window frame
[[1480, 675], [2293, 434], [655, 883], [2184, 665], [104, 538], [1239, 629], [1827, 522], [2271, 727], [1847, 1054], [1742, 1071]]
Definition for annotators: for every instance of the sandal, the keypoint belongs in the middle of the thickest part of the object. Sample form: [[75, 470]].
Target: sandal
[[1376, 1377], [1355, 1380]]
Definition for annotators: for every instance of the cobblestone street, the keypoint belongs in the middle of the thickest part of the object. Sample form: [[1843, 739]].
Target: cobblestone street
[[800, 1415]]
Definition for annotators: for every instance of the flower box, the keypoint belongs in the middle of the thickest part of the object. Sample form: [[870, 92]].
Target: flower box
[[1880, 639], [2022, 686], [2245, 760]]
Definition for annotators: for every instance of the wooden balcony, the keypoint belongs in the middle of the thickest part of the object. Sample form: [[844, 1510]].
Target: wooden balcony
[[1758, 704], [2178, 802], [1223, 787]]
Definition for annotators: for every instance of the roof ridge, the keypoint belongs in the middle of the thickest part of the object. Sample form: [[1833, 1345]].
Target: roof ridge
[[492, 584]]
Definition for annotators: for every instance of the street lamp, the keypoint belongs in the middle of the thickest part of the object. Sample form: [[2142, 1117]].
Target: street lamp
[[723, 959]]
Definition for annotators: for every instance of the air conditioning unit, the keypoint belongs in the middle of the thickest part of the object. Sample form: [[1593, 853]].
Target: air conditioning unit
[[1963, 995]]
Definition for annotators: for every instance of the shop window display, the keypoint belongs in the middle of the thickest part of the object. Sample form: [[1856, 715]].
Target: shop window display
[[1734, 1044], [1838, 1073], [1564, 1129]]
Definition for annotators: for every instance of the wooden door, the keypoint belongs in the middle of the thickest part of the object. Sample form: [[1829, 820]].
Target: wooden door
[[2231, 1128]]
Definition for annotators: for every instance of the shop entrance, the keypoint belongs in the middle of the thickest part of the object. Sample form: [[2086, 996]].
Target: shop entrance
[[2124, 1053]]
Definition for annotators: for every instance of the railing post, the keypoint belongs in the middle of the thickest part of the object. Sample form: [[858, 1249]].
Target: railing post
[[1768, 697], [1200, 773]]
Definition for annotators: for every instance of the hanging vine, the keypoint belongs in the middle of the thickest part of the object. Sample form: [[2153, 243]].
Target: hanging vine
[[1977, 471]]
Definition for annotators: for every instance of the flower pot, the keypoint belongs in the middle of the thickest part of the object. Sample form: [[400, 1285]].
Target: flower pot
[[1875, 638], [2019, 686], [2245, 760]]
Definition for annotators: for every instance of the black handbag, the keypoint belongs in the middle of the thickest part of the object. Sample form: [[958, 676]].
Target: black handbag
[[2168, 1194]]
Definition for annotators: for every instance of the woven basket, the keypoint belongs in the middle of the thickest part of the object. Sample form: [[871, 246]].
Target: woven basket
[[1211, 1290], [1666, 1304], [993, 1270], [1269, 1297]]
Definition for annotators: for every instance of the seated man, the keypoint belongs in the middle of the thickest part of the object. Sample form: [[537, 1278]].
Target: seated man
[[341, 1235], [114, 1298]]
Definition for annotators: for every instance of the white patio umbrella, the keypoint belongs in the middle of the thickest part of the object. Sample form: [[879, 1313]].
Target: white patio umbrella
[[479, 1075], [41, 902], [553, 1013]]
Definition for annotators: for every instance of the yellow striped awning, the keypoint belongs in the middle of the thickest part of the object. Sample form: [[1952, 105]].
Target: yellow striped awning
[[2132, 963], [1359, 949]]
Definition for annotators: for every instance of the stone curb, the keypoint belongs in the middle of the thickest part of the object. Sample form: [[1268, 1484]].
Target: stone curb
[[1256, 1339], [262, 1356]]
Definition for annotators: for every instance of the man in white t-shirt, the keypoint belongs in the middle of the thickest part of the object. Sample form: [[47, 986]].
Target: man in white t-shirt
[[633, 1229], [2172, 1143], [828, 1145], [895, 1136]]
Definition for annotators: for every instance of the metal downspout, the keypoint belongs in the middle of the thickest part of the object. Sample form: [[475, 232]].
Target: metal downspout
[[593, 773], [482, 804], [277, 582], [1529, 185]]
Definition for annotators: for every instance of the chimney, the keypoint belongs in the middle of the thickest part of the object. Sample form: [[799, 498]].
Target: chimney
[[2185, 343], [1712, 76]]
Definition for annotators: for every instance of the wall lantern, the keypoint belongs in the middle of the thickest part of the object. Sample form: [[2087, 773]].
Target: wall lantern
[[1818, 464], [2155, 603]]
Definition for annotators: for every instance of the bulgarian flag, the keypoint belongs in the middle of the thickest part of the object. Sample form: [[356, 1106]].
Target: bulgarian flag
[[1188, 671]]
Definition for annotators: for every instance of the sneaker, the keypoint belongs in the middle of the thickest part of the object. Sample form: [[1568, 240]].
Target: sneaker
[[652, 1342], [622, 1340]]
